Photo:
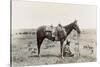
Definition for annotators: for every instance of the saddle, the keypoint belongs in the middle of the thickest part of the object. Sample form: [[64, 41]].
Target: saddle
[[60, 29], [54, 30]]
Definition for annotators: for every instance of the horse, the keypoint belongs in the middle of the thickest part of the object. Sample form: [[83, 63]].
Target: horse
[[61, 35]]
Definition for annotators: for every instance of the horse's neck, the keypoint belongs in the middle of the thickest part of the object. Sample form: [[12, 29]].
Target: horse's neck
[[68, 29]]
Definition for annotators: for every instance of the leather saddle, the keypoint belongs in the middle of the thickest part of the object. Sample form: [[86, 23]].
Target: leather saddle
[[54, 30]]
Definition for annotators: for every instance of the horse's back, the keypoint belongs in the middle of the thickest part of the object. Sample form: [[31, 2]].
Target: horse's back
[[41, 28]]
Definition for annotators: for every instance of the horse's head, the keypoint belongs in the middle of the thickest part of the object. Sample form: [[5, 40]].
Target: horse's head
[[76, 27]]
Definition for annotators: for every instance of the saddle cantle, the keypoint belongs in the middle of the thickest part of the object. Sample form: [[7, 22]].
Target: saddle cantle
[[49, 28]]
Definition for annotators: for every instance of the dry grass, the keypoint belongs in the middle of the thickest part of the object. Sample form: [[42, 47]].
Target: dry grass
[[24, 50]]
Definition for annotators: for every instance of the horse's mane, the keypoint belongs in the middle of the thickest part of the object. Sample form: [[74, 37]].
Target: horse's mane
[[68, 26]]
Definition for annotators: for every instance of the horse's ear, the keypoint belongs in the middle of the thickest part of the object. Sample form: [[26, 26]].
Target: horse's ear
[[75, 22]]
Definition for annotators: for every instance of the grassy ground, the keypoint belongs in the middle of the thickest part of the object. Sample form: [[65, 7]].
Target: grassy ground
[[24, 50]]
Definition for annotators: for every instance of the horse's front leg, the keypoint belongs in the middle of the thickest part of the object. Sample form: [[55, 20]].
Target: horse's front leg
[[61, 48]]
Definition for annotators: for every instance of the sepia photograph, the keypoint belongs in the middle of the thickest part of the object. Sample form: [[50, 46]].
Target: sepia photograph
[[44, 33]]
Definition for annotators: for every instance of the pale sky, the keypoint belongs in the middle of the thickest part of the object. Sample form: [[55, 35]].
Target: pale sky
[[28, 14]]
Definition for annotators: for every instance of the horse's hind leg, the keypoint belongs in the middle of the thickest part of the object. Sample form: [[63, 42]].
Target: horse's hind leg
[[39, 42]]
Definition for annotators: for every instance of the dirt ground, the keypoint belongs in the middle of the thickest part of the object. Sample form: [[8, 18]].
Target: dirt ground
[[24, 49]]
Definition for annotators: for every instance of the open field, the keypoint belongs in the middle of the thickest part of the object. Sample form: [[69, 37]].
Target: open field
[[24, 49]]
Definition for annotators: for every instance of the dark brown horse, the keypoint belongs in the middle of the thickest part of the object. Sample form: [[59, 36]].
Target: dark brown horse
[[61, 35]]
